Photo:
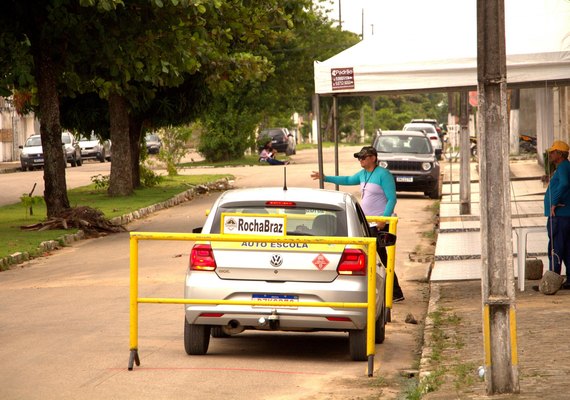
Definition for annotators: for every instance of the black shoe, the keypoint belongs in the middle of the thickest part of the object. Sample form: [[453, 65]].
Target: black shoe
[[397, 299]]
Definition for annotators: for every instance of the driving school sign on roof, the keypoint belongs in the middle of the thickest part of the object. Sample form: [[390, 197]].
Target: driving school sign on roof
[[342, 78]]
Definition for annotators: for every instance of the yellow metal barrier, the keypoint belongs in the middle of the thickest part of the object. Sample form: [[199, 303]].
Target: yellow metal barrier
[[370, 305], [390, 268]]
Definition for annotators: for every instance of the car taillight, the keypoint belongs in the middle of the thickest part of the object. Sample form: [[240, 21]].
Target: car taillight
[[202, 258], [352, 262]]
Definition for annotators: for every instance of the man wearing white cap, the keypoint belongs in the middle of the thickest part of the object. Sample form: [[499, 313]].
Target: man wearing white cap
[[557, 209]]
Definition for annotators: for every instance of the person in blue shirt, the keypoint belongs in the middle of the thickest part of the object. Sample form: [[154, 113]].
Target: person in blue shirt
[[557, 209], [378, 196]]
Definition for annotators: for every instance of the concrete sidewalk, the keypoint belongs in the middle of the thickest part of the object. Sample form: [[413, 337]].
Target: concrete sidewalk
[[9, 167], [456, 300]]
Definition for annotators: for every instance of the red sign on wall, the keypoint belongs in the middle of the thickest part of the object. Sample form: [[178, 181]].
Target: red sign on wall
[[473, 99], [342, 78]]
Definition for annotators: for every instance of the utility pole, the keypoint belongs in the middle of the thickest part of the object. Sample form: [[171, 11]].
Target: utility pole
[[497, 275], [465, 157], [362, 23], [514, 120], [339, 15]]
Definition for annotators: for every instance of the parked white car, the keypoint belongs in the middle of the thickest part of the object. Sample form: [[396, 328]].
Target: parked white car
[[92, 148], [32, 153], [429, 130]]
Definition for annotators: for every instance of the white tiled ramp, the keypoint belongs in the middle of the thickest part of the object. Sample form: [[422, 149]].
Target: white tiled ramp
[[458, 245], [456, 270], [467, 245], [466, 270]]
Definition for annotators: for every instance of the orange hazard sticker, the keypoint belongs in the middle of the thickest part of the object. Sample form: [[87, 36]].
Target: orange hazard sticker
[[320, 261]]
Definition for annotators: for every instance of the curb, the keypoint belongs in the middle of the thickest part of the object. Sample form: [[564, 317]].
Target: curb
[[425, 359], [66, 240]]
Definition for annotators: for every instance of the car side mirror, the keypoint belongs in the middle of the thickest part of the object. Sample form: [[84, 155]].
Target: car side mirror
[[197, 230], [386, 239]]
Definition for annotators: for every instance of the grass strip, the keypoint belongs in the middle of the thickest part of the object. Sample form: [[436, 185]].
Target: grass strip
[[13, 239]]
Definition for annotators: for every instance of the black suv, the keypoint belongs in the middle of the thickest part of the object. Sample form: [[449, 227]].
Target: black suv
[[281, 140], [410, 157]]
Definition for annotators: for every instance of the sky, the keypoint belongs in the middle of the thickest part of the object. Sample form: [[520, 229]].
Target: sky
[[372, 17], [450, 22]]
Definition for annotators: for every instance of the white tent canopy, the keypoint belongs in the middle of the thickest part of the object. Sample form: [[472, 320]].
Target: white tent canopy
[[441, 53]]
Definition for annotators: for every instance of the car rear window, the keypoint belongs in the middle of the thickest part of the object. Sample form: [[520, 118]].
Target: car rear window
[[301, 221]]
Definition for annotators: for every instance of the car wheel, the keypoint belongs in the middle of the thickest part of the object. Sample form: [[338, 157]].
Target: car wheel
[[79, 162], [24, 168], [196, 338], [102, 158], [357, 344], [218, 332], [380, 326], [73, 162], [435, 193]]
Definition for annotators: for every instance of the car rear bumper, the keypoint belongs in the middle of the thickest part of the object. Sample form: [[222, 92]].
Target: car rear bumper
[[206, 285], [280, 147]]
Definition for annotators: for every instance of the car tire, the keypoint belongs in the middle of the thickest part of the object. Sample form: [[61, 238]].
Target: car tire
[[218, 332], [24, 168], [380, 326], [79, 162], [435, 193], [357, 344], [196, 338], [102, 158], [73, 162]]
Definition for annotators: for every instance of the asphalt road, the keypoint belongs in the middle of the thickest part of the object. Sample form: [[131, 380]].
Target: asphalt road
[[13, 185], [64, 319]]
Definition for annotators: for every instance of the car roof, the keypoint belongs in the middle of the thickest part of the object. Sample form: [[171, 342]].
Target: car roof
[[406, 133], [427, 120], [296, 194], [420, 124]]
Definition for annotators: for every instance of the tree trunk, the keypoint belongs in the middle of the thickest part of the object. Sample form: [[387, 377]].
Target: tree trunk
[[135, 128], [55, 193], [120, 182]]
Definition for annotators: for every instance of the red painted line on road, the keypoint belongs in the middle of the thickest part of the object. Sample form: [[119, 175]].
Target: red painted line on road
[[220, 369]]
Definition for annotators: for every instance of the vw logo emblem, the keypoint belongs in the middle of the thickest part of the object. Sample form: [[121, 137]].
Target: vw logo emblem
[[276, 260]]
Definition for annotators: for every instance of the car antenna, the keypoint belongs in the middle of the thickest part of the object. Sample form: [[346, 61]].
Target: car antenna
[[284, 178]]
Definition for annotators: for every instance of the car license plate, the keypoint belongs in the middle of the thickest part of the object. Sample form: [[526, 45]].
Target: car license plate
[[404, 179], [39, 160], [276, 297]]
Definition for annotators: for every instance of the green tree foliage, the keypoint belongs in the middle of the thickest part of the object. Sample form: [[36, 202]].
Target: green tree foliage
[[228, 130], [173, 149], [389, 112], [290, 51]]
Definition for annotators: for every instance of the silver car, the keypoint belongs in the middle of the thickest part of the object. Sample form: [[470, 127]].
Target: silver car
[[291, 272]]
